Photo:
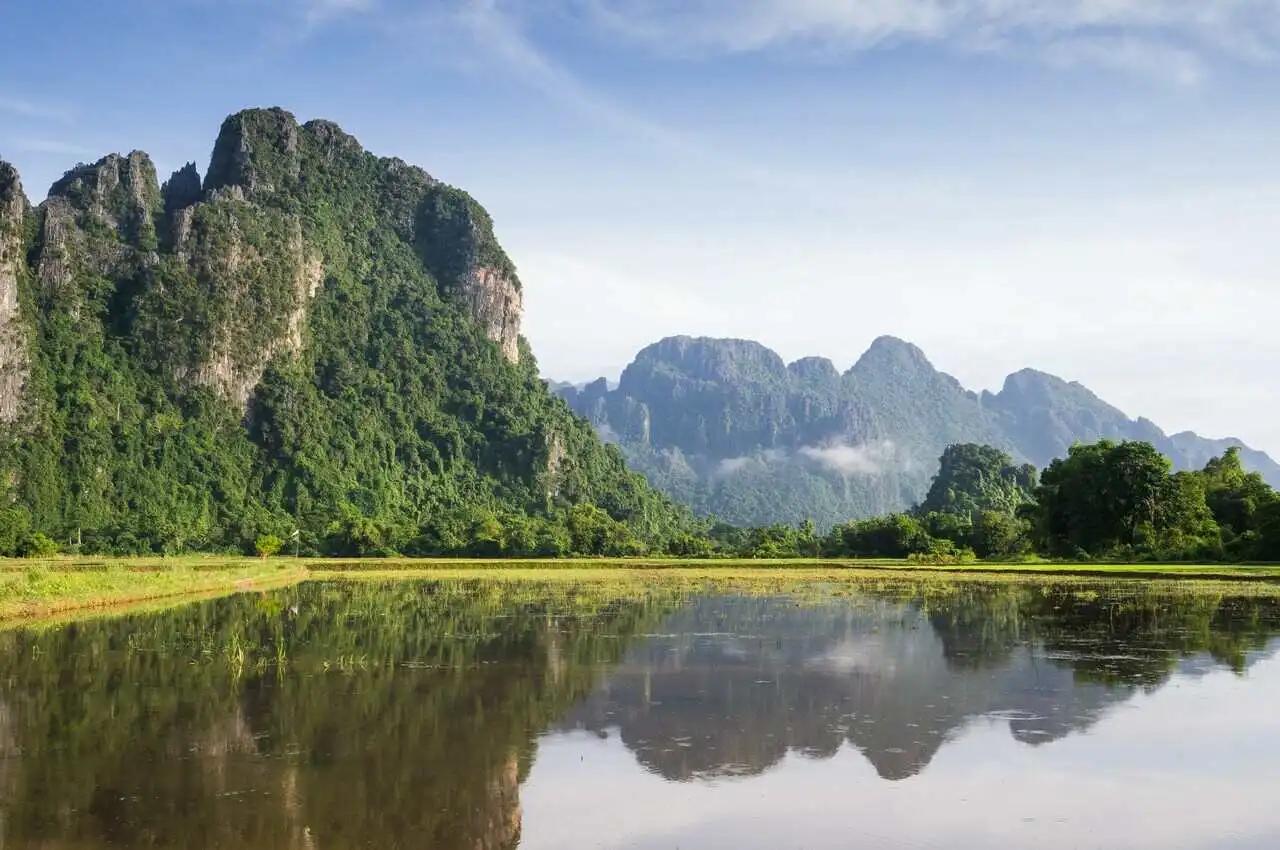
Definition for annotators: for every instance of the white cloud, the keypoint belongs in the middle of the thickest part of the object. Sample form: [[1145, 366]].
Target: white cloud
[[1133, 55], [733, 465], [318, 13], [865, 459], [1148, 36], [51, 146]]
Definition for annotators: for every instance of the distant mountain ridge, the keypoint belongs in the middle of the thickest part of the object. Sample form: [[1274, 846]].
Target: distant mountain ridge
[[730, 428]]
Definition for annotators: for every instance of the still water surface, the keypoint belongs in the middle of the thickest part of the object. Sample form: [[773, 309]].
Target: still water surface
[[483, 715]]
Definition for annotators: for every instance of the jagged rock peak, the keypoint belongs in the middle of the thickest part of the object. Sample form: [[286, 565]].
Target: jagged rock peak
[[891, 355], [257, 151], [11, 187], [814, 369], [99, 219], [714, 359], [883, 347], [331, 138], [182, 189], [115, 187], [1032, 385]]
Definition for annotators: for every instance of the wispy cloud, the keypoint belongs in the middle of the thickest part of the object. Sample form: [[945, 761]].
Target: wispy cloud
[[489, 28], [50, 146], [31, 109], [1169, 37], [850, 460], [320, 11], [1132, 55]]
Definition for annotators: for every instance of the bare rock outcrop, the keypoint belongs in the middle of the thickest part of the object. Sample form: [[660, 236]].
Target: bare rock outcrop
[[99, 219], [118, 192], [455, 238], [261, 295], [496, 303], [59, 246], [257, 150], [14, 357]]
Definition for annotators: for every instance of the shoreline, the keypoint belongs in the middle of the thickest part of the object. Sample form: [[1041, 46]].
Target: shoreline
[[57, 590]]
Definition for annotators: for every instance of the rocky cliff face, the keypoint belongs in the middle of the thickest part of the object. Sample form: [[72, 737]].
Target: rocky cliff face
[[310, 337], [99, 222], [455, 238], [727, 427], [14, 356], [496, 303], [240, 274]]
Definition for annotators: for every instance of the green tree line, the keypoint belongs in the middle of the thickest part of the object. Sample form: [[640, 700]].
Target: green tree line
[[1104, 501]]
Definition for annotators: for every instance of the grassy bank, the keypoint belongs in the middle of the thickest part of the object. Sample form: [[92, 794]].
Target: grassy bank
[[44, 589], [40, 590]]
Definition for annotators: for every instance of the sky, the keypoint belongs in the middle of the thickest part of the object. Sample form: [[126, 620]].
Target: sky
[[1086, 187]]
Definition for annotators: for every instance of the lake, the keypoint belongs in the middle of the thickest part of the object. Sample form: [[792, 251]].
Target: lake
[[484, 714]]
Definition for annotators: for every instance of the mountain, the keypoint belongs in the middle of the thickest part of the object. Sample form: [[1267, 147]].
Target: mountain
[[310, 337], [726, 426]]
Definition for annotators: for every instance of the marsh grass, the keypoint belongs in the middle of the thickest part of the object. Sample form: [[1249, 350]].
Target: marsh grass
[[57, 589], [46, 589]]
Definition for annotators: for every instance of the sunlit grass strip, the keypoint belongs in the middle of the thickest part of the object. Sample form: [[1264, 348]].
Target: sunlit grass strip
[[44, 590], [40, 590], [820, 582], [222, 563], [798, 566]]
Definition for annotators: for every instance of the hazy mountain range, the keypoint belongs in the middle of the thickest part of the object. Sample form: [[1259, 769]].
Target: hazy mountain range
[[728, 427]]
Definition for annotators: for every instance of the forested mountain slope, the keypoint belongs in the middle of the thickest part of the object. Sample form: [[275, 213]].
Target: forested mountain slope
[[310, 337], [727, 427]]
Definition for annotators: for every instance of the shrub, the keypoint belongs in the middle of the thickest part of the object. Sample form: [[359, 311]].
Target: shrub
[[267, 545], [38, 545]]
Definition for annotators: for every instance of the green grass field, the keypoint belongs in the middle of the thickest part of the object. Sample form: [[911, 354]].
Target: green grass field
[[58, 587]]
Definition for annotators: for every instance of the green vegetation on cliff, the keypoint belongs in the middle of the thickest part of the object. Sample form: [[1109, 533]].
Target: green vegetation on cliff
[[314, 339]]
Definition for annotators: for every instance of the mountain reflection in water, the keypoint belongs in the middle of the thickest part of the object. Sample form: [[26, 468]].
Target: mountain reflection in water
[[736, 683], [411, 714]]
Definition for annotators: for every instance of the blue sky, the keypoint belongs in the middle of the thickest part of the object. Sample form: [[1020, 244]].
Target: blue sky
[[1088, 187]]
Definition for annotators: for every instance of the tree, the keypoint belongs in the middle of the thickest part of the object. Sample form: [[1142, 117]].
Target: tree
[[38, 545], [15, 526], [807, 543], [997, 534], [267, 545], [1267, 546], [973, 478], [1239, 500], [1108, 497], [893, 536]]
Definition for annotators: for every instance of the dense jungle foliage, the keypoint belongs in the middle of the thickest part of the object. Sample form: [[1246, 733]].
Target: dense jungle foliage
[[1107, 500], [301, 347]]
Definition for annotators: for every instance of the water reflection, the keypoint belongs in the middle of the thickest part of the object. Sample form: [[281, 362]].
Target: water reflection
[[411, 714], [388, 716], [736, 682]]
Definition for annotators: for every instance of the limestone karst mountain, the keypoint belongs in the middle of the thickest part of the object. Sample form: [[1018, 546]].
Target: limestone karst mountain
[[726, 426], [310, 337]]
